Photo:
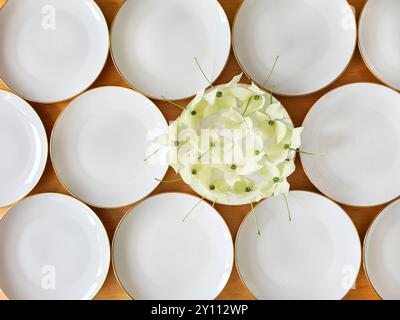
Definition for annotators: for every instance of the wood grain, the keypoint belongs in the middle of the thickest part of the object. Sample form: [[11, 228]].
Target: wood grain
[[297, 107]]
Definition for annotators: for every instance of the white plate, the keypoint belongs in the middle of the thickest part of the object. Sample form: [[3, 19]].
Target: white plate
[[379, 40], [315, 256], [356, 128], [315, 40], [158, 256], [381, 253], [23, 144], [154, 45], [52, 247], [51, 49], [99, 144]]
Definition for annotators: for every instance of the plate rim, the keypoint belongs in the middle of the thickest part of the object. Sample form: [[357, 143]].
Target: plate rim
[[114, 60], [362, 52], [46, 145], [131, 210], [367, 234], [302, 156], [52, 155], [22, 96], [302, 94], [299, 191], [92, 213]]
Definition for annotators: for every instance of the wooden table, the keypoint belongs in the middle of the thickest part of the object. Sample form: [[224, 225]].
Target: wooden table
[[297, 107]]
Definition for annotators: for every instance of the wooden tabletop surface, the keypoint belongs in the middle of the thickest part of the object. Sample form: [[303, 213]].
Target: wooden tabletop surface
[[297, 108]]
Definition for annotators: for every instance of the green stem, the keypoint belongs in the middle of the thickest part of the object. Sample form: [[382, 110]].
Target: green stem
[[154, 153], [202, 71], [172, 103], [201, 156], [191, 210], [307, 153], [255, 219], [168, 181], [247, 106], [287, 207], [271, 72]]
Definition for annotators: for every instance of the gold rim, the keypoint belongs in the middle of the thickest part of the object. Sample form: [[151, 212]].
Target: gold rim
[[55, 168], [148, 95], [311, 192], [363, 55], [130, 211], [75, 95], [90, 210], [305, 172], [365, 246], [294, 95], [47, 153]]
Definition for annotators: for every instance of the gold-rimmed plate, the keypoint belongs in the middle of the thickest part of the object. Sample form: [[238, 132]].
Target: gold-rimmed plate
[[381, 253], [51, 50], [172, 246], [315, 41], [379, 40], [154, 45], [354, 132], [315, 256]]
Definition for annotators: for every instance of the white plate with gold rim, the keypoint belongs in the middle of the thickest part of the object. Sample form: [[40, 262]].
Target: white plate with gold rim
[[355, 128], [157, 255], [314, 39], [154, 44], [52, 247], [316, 256], [52, 49], [23, 143], [381, 253], [99, 145], [379, 40]]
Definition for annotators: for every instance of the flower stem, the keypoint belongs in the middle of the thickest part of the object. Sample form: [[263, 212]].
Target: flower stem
[[191, 210], [154, 153], [247, 106], [271, 72], [202, 71], [307, 153], [287, 207], [172, 103], [168, 181], [255, 219]]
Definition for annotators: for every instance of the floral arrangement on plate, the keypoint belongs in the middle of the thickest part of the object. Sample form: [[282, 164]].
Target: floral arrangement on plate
[[234, 144]]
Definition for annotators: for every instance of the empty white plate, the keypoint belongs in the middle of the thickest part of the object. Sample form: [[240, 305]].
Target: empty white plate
[[52, 247], [315, 40], [158, 256], [23, 144], [315, 256], [356, 129], [379, 39], [381, 253], [51, 49], [99, 144], [155, 42]]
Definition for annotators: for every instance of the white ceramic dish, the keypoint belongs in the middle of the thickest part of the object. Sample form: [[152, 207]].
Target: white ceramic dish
[[158, 256], [154, 44], [52, 49], [24, 148], [315, 40], [381, 253], [356, 128], [52, 247], [379, 40], [99, 145], [315, 256]]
